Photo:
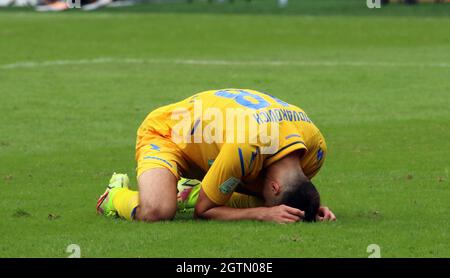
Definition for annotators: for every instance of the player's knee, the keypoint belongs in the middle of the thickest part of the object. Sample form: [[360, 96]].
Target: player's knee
[[151, 214]]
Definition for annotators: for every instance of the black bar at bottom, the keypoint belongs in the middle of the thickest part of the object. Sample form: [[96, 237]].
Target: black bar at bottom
[[208, 267]]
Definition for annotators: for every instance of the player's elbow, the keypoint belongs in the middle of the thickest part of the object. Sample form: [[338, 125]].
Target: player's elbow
[[200, 213], [203, 206]]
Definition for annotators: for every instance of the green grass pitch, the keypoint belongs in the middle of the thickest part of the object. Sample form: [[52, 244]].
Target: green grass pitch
[[74, 87]]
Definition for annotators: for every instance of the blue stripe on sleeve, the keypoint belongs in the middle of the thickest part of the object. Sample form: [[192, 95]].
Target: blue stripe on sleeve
[[241, 157], [195, 126]]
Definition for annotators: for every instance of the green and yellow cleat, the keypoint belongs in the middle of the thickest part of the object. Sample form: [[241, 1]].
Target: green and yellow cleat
[[188, 190], [104, 204]]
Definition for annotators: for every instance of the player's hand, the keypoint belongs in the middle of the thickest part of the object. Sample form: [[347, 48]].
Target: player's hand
[[283, 214], [325, 214]]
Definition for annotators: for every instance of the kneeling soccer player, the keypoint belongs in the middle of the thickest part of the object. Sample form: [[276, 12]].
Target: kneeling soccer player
[[242, 177]]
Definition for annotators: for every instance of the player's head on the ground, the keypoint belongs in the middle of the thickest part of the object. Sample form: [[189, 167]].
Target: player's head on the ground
[[302, 195], [285, 183]]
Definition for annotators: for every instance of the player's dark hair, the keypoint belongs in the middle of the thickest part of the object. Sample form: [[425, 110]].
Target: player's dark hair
[[303, 196]]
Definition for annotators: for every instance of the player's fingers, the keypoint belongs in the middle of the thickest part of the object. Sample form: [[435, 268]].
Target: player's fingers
[[292, 217], [332, 216], [295, 211], [323, 211], [289, 220], [284, 220], [327, 214]]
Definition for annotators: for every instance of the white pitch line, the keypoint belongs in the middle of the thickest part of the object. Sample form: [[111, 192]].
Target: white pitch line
[[51, 63]]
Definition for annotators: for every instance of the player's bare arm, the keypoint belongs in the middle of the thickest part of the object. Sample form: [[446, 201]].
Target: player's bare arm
[[206, 209]]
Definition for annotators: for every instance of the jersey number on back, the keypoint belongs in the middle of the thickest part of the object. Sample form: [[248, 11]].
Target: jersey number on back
[[243, 98]]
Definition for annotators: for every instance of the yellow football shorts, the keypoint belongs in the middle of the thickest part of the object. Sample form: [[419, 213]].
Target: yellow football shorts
[[155, 151]]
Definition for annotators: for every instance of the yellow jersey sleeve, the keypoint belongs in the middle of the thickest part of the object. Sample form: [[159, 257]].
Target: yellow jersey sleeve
[[290, 140], [233, 162]]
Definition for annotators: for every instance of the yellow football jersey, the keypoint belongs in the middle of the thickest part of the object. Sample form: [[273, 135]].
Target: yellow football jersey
[[226, 138]]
